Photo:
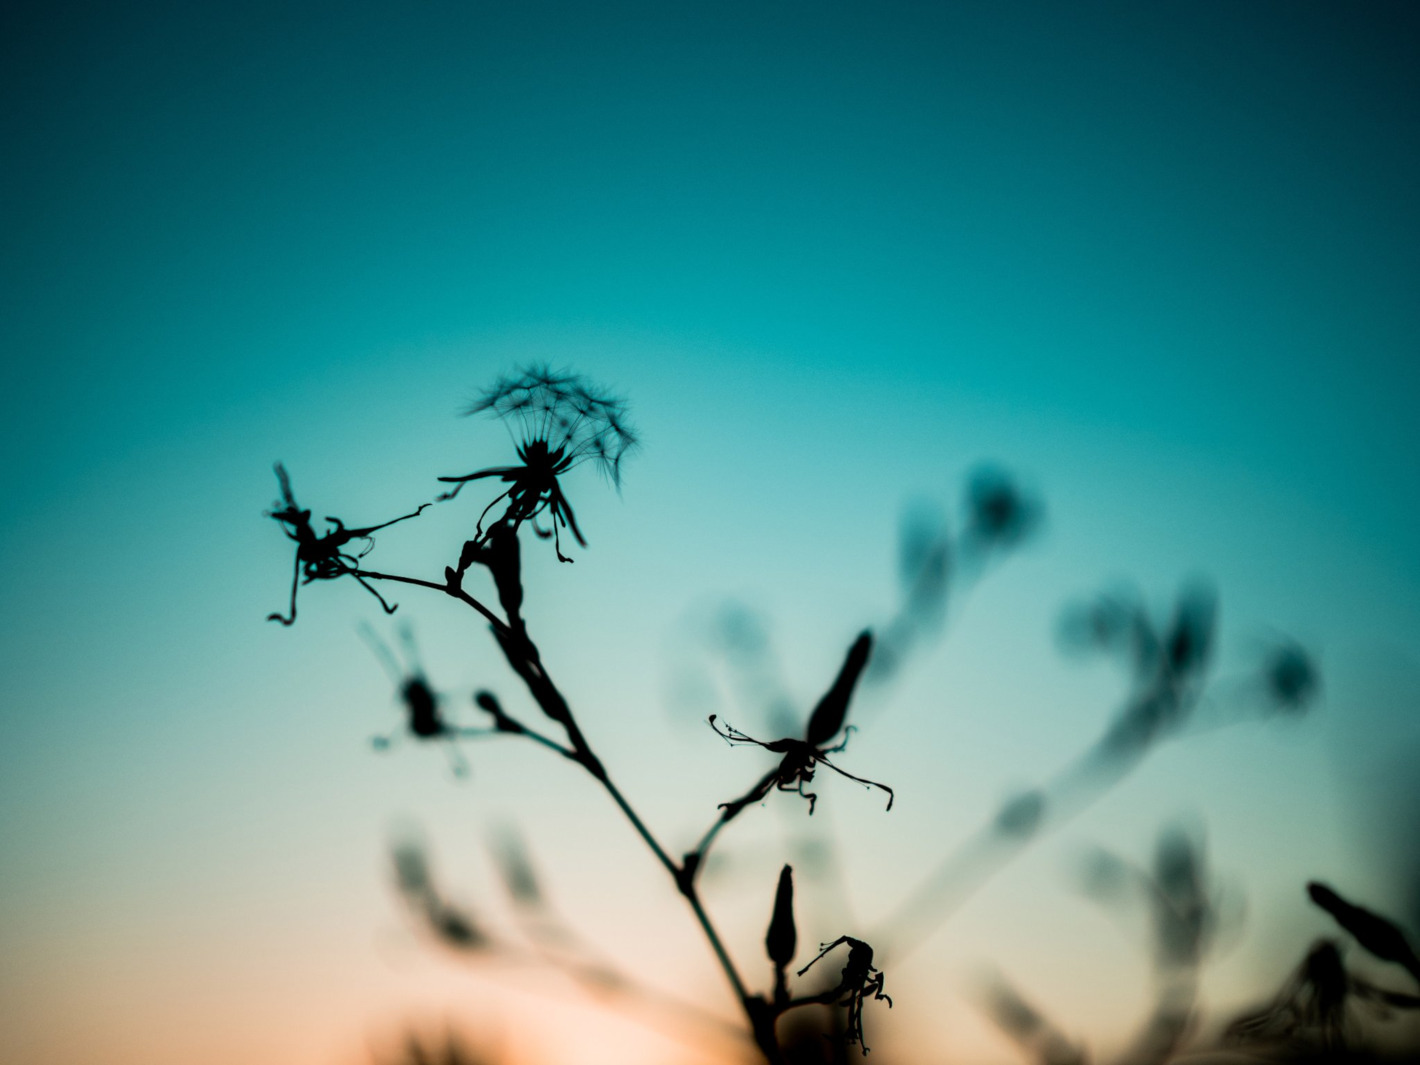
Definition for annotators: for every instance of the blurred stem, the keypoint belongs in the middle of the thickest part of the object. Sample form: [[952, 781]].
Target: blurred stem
[[963, 871]]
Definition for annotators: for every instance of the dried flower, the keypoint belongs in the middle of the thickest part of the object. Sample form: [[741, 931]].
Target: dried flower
[[324, 557], [859, 979], [800, 757], [558, 420]]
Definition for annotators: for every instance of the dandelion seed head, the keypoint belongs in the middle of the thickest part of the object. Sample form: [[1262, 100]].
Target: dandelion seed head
[[564, 411]]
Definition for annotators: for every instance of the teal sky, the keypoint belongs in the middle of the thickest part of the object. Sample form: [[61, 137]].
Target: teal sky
[[1162, 260]]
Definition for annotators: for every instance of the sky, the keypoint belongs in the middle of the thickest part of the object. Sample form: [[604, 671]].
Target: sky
[[1161, 262]]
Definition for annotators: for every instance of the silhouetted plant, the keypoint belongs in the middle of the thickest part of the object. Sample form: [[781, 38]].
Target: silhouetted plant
[[558, 421], [797, 766], [934, 563], [1308, 1018], [859, 979], [561, 421]]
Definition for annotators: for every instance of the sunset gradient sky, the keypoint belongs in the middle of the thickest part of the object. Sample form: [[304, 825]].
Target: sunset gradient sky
[[1160, 260]]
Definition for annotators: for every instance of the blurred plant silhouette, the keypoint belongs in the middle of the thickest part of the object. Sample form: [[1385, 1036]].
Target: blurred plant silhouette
[[416, 1049], [934, 563], [1321, 1011], [557, 421]]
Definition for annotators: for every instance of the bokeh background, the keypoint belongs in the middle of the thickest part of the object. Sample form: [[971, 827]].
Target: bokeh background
[[1161, 261]]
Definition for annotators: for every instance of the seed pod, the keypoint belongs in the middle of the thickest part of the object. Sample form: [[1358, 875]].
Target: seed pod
[[1371, 930], [827, 719], [782, 938]]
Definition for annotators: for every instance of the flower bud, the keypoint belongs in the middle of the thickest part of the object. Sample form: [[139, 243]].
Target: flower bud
[[827, 718], [782, 938]]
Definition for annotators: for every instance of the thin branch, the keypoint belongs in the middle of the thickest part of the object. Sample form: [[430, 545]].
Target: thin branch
[[537, 737], [458, 593], [528, 665]]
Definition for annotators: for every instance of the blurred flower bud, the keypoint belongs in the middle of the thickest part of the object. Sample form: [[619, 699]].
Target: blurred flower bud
[[515, 867], [998, 514], [456, 928], [1291, 677], [1020, 816], [1190, 637], [411, 869]]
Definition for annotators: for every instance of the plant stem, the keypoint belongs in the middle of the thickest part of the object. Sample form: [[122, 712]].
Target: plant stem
[[686, 888], [523, 656], [458, 593]]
